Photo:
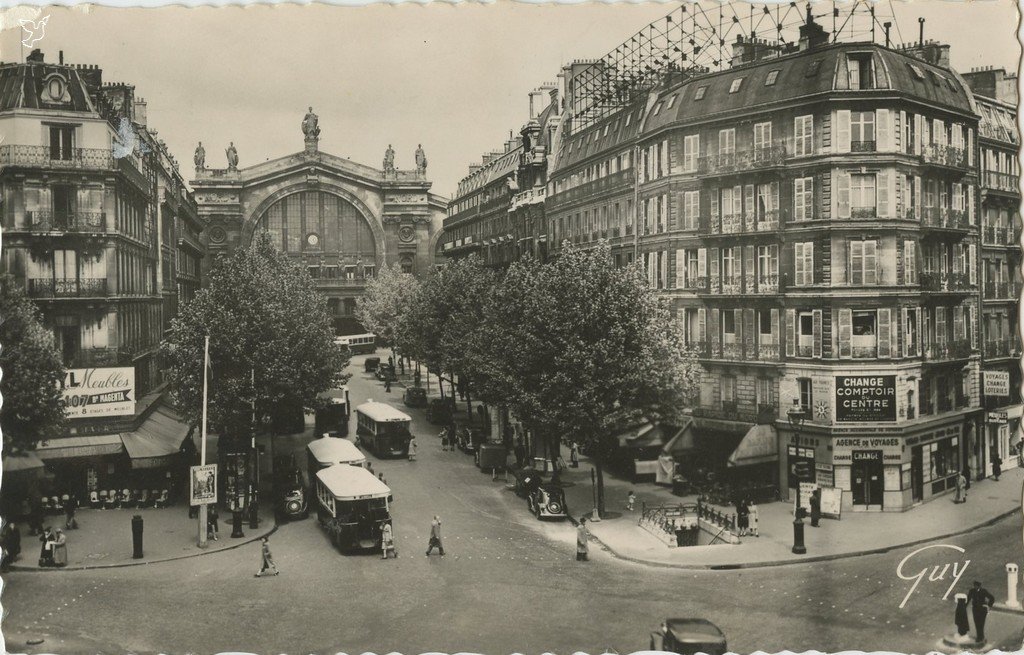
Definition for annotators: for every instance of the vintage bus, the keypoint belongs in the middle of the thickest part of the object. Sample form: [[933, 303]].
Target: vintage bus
[[333, 417], [358, 343], [383, 429], [352, 506], [327, 451]]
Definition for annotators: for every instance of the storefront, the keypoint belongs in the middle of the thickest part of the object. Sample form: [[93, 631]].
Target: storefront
[[1002, 438]]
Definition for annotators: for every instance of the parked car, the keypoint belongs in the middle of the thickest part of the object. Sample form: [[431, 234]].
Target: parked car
[[439, 411], [385, 372], [689, 637], [547, 501], [527, 479], [290, 501], [370, 364], [415, 397]]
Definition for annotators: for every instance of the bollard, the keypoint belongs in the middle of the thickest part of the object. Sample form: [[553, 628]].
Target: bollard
[[1011, 586], [798, 537], [137, 537], [236, 525]]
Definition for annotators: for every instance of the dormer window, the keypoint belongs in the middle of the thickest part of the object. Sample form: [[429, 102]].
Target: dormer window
[[916, 71], [861, 71], [736, 84], [812, 68], [606, 128], [672, 101], [772, 76], [629, 117], [55, 89], [701, 90], [657, 109]]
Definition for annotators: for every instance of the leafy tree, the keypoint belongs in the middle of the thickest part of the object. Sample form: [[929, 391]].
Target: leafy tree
[[32, 372], [387, 299], [580, 348], [271, 342]]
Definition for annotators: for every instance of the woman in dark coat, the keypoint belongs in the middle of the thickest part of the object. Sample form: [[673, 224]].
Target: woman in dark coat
[[743, 516], [960, 615], [46, 550], [815, 507]]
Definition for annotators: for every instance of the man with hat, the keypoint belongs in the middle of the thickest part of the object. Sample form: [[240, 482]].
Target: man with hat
[[980, 601]]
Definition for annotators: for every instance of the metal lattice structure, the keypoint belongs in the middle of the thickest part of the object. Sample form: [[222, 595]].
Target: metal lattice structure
[[698, 38]]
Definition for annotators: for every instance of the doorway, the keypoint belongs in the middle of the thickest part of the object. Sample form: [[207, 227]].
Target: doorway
[[917, 474], [866, 478]]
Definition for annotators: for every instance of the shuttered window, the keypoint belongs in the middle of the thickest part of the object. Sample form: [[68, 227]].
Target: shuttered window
[[803, 198], [803, 260], [691, 150], [863, 262], [803, 135]]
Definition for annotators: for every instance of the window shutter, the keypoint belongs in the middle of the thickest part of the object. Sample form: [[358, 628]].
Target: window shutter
[[715, 279], [884, 200], [970, 146], [972, 267], [845, 332], [748, 268], [906, 331], [974, 325], [898, 131], [702, 327], [970, 204], [702, 262], [775, 327], [748, 334], [790, 333], [884, 333], [715, 225], [917, 197], [843, 130], [774, 196], [883, 131], [919, 133], [818, 261], [843, 194], [958, 324], [909, 262], [748, 208], [816, 328], [680, 282], [663, 273], [715, 332]]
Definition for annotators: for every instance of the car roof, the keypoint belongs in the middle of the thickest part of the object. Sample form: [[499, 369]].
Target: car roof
[[334, 450], [381, 412], [352, 482], [694, 630]]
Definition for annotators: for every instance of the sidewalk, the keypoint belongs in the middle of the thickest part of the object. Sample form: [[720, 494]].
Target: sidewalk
[[104, 537], [857, 533]]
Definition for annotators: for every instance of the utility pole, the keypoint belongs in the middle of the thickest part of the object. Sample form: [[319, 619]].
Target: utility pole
[[202, 450]]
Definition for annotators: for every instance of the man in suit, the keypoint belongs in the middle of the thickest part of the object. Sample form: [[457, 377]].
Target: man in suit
[[980, 601]]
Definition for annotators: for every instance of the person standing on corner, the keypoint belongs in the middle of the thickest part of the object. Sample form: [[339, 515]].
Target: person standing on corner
[[997, 466], [212, 523], [435, 536], [582, 541], [961, 488], [387, 382], [815, 507], [752, 517], [574, 455], [980, 601], [412, 449]]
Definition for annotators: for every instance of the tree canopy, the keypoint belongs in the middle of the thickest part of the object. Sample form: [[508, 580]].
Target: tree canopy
[[388, 298], [32, 371], [264, 317]]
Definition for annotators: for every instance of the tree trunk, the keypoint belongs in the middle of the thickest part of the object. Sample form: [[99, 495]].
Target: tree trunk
[[469, 406], [600, 487]]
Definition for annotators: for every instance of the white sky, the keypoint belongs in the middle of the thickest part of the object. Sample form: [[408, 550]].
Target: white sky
[[453, 78]]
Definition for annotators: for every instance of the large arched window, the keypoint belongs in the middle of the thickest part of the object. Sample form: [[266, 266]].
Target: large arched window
[[315, 222]]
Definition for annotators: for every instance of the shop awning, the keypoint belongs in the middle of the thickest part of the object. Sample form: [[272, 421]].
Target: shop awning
[[22, 462], [88, 446], [639, 436], [682, 441], [759, 446], [157, 440]]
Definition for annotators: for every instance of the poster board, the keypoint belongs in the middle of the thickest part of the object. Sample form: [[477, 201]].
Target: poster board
[[202, 486], [831, 502], [803, 496]]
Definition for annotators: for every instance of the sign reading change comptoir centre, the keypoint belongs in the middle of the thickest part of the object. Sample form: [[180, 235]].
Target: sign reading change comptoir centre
[[865, 398]]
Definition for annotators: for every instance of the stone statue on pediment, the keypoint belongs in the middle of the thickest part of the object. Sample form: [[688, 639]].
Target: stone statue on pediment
[[200, 157], [311, 125], [389, 160], [232, 154], [421, 159]]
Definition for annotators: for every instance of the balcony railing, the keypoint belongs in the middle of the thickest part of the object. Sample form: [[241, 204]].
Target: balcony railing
[[73, 158], [528, 197], [731, 411], [1002, 348], [743, 160], [732, 285], [862, 146], [944, 217], [740, 351], [67, 287], [49, 221], [696, 283], [944, 156], [97, 357], [748, 223], [1001, 181], [1000, 291], [340, 282], [947, 351], [945, 281]]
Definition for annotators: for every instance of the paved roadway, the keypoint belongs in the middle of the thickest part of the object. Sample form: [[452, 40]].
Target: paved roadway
[[508, 584]]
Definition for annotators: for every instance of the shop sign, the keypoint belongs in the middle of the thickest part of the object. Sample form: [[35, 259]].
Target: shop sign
[[849, 449], [831, 502], [824, 475], [203, 487], [999, 416], [89, 392], [996, 383], [865, 398]]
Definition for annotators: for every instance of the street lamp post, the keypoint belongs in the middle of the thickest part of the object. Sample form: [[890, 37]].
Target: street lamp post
[[796, 416]]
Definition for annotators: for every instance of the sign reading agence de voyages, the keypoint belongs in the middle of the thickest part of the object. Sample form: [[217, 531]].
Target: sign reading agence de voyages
[[862, 398], [92, 392]]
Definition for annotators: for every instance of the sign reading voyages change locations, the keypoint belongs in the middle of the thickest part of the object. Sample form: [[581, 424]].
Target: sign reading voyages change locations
[[862, 398], [92, 392]]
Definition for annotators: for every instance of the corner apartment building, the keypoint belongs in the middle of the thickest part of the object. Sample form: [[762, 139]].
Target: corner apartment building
[[995, 93], [811, 216], [92, 205]]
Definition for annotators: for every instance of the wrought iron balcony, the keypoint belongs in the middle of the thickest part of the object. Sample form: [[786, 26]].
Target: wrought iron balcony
[[44, 157], [97, 357], [947, 351], [1002, 348], [69, 287], [944, 156], [49, 221], [743, 160], [1001, 182], [862, 146], [944, 217], [696, 283], [1000, 291], [945, 281]]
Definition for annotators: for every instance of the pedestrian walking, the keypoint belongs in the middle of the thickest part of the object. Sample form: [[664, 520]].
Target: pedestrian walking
[[412, 449], [815, 507], [752, 518], [435, 536], [387, 382], [387, 541], [416, 377], [60, 548], [46, 550], [10, 540], [582, 540], [742, 516], [267, 560], [631, 500], [997, 467], [961, 489], [980, 601], [70, 507], [212, 523], [574, 455]]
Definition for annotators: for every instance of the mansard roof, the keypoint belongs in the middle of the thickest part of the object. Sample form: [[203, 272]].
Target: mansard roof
[[23, 86]]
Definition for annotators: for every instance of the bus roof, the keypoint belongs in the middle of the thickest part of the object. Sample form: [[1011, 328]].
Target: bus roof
[[335, 396], [333, 450], [352, 482], [381, 412]]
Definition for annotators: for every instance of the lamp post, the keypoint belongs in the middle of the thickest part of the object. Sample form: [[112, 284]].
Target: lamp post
[[796, 416]]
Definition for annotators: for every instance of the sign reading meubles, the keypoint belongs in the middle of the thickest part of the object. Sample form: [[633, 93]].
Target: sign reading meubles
[[865, 398], [99, 392]]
